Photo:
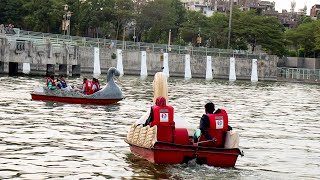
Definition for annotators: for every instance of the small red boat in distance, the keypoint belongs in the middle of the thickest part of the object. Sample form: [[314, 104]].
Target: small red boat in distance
[[162, 142], [108, 95]]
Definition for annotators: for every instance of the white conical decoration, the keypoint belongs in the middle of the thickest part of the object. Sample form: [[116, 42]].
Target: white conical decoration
[[26, 68], [232, 72], [166, 64], [119, 61], [187, 69], [96, 63], [144, 69], [209, 68], [254, 72]]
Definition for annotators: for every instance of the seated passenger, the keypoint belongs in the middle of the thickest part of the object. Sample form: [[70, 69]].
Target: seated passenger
[[87, 87], [50, 83], [205, 123], [160, 101], [61, 82], [95, 85]]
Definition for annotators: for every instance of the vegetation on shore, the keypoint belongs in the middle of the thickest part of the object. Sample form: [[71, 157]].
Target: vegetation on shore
[[151, 22]]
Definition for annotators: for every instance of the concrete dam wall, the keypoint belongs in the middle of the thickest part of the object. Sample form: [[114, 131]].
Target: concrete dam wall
[[41, 59]]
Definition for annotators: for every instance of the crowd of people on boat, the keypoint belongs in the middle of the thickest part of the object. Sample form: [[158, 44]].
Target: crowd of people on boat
[[88, 86], [7, 29]]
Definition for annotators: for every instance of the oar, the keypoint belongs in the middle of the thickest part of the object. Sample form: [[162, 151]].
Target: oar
[[213, 140]]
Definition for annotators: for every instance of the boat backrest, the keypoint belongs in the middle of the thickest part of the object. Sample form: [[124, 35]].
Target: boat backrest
[[163, 116], [166, 134], [219, 135], [163, 119]]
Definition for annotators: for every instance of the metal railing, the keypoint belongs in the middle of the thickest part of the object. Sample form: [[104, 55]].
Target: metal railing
[[58, 40], [298, 73]]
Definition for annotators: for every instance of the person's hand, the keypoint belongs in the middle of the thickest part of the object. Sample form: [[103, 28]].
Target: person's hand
[[214, 140]]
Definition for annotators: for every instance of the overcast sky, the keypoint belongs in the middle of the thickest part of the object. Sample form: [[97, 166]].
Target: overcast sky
[[286, 4]]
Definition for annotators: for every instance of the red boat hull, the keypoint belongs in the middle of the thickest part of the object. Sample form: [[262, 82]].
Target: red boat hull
[[73, 100], [168, 153]]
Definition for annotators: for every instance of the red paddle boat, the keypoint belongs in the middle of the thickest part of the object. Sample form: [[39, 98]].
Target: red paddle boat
[[108, 95], [163, 142]]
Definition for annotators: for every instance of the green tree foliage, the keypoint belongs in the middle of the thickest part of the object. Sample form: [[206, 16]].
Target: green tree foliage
[[260, 30], [43, 15], [152, 21], [305, 36], [155, 20], [196, 25], [122, 14], [218, 30], [12, 12]]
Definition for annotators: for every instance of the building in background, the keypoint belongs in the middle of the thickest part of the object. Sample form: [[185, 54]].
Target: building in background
[[315, 11], [289, 19]]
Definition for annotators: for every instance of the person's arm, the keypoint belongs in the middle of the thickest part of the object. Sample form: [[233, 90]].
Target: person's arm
[[50, 86], [204, 124], [150, 118]]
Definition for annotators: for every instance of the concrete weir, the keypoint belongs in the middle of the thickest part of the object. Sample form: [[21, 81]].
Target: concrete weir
[[187, 69], [26, 68], [144, 68], [41, 59], [232, 69], [166, 64], [119, 62], [209, 68], [254, 71], [96, 67]]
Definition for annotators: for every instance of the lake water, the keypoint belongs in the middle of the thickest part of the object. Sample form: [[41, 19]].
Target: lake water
[[278, 124]]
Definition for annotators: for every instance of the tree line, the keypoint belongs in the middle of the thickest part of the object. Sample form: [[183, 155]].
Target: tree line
[[151, 21]]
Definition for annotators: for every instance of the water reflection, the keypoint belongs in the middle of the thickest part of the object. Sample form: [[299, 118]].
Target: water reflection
[[278, 125]]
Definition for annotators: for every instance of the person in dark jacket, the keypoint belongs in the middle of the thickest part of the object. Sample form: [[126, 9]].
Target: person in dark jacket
[[205, 122]]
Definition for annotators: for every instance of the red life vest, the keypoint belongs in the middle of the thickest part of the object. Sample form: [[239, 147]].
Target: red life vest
[[163, 119], [88, 88], [219, 121], [51, 80], [217, 130], [162, 116]]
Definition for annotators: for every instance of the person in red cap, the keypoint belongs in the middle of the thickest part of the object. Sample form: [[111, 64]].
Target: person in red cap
[[160, 101]]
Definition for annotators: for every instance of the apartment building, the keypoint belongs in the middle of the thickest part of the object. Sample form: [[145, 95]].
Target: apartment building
[[315, 10]]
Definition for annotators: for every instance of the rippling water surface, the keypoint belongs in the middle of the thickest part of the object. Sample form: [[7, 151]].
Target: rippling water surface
[[278, 124]]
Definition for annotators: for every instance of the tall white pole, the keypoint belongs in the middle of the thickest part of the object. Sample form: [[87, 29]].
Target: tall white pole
[[230, 22]]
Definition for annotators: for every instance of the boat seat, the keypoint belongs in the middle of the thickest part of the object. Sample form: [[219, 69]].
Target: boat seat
[[181, 136], [165, 133]]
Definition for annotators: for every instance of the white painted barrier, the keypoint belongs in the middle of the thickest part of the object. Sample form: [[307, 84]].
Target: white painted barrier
[[254, 72], [166, 64], [187, 68], [119, 61], [144, 69], [96, 63], [232, 71], [209, 68], [26, 68]]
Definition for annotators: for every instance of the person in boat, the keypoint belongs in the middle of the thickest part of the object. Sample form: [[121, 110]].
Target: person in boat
[[61, 82], [87, 87], [160, 101], [95, 85], [205, 122], [50, 83]]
